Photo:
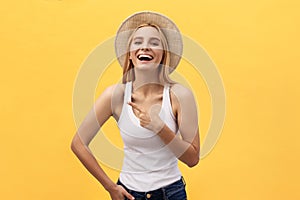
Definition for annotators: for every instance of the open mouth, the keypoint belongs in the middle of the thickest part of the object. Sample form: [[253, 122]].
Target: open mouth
[[144, 57]]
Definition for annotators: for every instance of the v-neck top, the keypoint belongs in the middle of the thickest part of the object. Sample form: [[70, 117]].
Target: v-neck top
[[148, 162]]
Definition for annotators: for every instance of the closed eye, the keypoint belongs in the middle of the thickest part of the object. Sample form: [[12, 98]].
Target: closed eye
[[154, 43]]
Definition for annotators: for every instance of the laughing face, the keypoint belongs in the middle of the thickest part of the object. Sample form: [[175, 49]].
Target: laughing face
[[146, 49]]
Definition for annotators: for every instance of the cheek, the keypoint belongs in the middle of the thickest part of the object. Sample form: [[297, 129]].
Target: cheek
[[132, 54], [159, 54], [133, 47]]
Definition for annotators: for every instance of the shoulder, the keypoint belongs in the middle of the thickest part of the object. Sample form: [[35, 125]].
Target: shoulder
[[180, 95], [115, 94], [111, 95], [180, 92], [114, 91], [118, 89]]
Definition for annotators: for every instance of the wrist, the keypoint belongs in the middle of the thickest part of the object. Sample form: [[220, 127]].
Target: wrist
[[110, 187], [159, 126]]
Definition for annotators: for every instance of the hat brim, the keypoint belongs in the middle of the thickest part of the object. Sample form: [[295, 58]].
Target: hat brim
[[168, 28]]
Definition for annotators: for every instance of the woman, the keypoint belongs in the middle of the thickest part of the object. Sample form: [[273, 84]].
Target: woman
[[157, 117]]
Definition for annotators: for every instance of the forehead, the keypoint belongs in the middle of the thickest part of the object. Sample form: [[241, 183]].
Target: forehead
[[147, 31]]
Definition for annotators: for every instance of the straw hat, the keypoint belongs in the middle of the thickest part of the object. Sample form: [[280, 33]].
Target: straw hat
[[168, 28]]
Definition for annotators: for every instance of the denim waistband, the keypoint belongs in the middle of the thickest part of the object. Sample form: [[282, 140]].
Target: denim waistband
[[159, 191]]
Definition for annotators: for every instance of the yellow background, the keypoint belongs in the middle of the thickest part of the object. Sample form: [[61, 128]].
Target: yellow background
[[255, 45]]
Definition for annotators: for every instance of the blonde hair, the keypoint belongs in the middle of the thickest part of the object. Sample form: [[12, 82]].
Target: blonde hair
[[128, 72]]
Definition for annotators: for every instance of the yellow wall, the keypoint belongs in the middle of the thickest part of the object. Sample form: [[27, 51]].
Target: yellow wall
[[254, 44]]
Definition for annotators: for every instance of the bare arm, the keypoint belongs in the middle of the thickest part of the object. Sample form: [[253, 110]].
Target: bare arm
[[187, 148], [98, 115]]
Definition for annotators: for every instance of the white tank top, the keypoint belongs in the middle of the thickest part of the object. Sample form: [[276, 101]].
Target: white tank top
[[148, 163]]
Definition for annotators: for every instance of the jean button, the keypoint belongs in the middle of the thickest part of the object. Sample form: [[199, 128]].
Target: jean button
[[148, 196]]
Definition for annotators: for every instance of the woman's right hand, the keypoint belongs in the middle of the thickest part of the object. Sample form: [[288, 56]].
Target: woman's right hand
[[119, 193]]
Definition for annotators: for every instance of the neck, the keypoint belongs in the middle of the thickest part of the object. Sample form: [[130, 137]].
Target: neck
[[146, 81]]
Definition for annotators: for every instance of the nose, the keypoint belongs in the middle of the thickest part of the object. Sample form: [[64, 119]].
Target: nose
[[145, 49], [144, 46]]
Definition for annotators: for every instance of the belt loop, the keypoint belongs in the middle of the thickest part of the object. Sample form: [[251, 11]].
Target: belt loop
[[183, 180], [164, 193]]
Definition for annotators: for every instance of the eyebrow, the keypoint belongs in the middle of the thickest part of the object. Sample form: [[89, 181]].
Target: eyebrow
[[140, 37]]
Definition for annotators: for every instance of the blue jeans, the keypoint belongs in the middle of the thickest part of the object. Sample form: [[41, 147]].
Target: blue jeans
[[174, 191]]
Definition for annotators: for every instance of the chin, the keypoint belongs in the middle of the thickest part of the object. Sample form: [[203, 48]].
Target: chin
[[147, 66]]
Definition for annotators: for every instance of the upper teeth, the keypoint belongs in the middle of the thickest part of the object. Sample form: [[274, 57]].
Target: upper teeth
[[145, 56]]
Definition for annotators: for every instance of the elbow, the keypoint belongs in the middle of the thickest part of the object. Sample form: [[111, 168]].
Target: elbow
[[193, 162], [194, 159], [75, 144]]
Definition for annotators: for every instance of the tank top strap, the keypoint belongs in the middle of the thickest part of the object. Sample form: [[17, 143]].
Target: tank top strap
[[166, 96], [127, 93], [167, 100]]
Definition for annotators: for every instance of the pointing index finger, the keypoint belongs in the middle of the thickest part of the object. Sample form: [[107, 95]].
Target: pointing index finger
[[135, 106]]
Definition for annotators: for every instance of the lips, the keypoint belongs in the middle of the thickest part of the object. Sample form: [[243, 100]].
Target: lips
[[144, 57]]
